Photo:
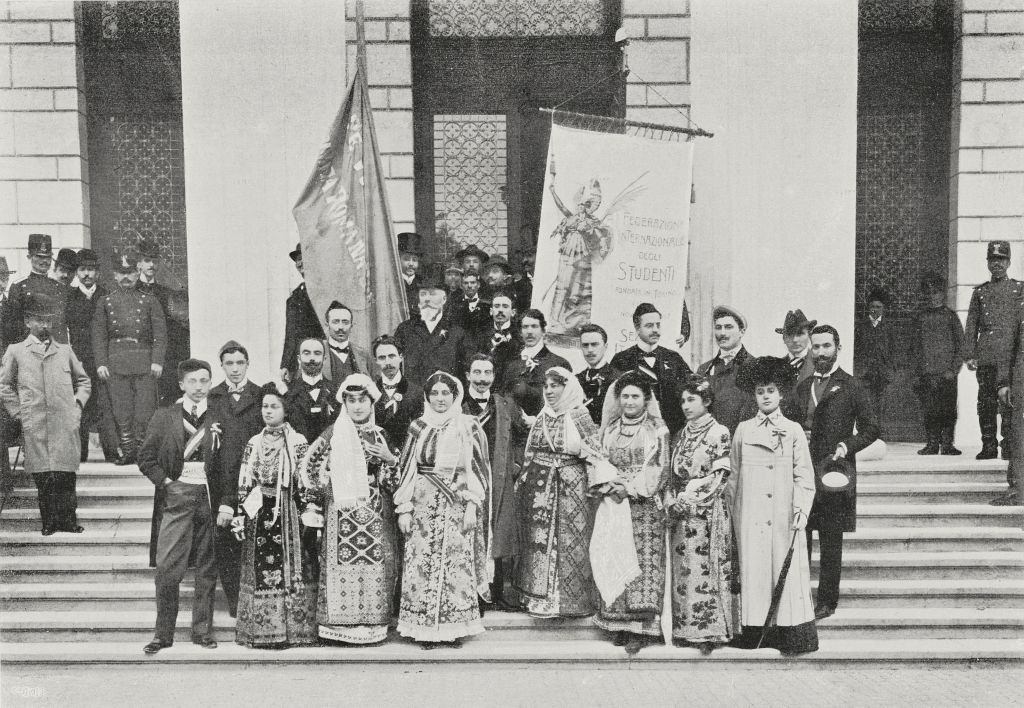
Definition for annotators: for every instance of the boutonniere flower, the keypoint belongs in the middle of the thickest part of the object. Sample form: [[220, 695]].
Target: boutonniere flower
[[833, 389], [531, 364], [397, 396], [216, 432], [443, 333]]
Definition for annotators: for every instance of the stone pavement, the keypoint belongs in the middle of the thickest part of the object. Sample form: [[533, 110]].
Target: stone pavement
[[991, 686]]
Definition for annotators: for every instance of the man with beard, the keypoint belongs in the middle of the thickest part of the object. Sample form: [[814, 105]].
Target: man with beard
[[36, 293], [497, 415], [833, 403], [300, 320], [309, 401], [129, 336], [345, 357], [430, 340], [664, 367], [473, 313], [472, 259], [65, 266], [81, 308], [410, 255], [499, 338], [400, 402], [236, 406], [524, 378], [732, 405], [498, 276], [597, 378], [177, 327]]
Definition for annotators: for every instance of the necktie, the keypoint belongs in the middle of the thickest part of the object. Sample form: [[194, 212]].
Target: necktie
[[820, 383], [195, 411]]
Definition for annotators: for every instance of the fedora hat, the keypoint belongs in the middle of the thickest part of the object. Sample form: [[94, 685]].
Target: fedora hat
[[87, 257], [473, 250], [67, 259], [794, 322]]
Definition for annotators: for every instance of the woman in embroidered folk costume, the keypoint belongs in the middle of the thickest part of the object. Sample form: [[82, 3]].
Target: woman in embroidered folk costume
[[442, 510], [636, 441], [350, 474], [563, 463], [277, 599], [771, 490], [704, 606]]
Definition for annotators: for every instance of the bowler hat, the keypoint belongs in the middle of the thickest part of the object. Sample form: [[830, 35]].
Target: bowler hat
[[795, 322], [123, 263], [499, 262], [727, 311], [998, 249], [410, 242], [296, 253], [473, 250], [87, 257], [836, 475], [4, 268], [40, 245], [67, 259], [148, 248], [765, 370]]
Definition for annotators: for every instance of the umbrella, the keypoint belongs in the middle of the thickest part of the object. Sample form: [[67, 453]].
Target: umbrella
[[773, 608]]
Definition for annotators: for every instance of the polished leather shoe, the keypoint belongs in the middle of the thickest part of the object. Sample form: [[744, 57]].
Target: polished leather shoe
[[125, 460], [988, 452], [206, 642], [154, 646], [47, 531], [929, 449], [950, 450], [821, 613]]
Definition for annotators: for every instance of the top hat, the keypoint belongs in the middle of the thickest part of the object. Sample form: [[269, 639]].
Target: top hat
[[148, 248], [4, 268], [296, 253], [765, 370], [498, 262], [473, 250], [432, 277], [836, 475], [67, 259], [795, 322], [40, 245], [727, 311], [410, 242], [87, 257], [998, 249], [124, 263]]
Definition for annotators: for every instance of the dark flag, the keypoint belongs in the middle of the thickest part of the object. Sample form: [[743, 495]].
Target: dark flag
[[348, 250]]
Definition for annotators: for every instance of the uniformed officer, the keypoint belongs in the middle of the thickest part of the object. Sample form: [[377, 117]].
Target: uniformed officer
[[988, 343], [177, 325], [129, 340], [37, 292]]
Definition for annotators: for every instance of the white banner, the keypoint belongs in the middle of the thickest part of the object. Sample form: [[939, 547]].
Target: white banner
[[614, 232]]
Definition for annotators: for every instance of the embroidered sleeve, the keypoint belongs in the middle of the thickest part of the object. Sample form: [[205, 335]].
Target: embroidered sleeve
[[246, 479], [407, 471], [388, 476], [314, 472], [599, 469], [720, 450], [478, 474]]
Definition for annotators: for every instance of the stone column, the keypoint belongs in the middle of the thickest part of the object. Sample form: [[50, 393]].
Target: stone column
[[44, 182], [987, 161]]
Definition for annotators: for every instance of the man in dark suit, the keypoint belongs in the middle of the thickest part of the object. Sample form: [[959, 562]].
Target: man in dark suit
[[300, 321], [236, 407], [176, 322], [473, 313], [500, 338], [309, 401], [524, 377], [664, 367], [732, 406], [796, 335], [833, 403], [874, 354], [430, 340], [344, 356], [81, 308], [597, 378], [400, 402], [410, 255], [178, 456]]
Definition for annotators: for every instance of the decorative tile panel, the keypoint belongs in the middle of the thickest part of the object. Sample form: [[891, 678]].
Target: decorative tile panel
[[470, 174], [517, 18]]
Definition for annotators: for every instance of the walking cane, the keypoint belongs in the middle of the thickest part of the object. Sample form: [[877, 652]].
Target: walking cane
[[773, 608]]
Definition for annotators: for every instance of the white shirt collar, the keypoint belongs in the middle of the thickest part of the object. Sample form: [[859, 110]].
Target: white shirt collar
[[801, 355], [335, 344], [874, 322], [646, 348], [37, 340], [385, 381], [312, 380], [408, 278], [729, 354], [147, 281], [531, 352], [773, 417], [236, 389], [187, 403], [473, 394], [88, 292]]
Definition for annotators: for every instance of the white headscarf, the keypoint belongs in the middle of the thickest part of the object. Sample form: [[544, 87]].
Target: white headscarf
[[348, 460], [455, 441]]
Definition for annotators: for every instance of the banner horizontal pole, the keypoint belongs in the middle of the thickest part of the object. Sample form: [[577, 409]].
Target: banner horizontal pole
[[625, 123]]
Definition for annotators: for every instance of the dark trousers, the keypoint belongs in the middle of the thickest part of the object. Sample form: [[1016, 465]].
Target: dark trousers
[[10, 429], [98, 413], [133, 398], [830, 566], [187, 521], [229, 563], [988, 406], [938, 402], [58, 504]]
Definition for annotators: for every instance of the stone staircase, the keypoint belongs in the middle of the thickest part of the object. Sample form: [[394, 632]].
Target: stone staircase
[[932, 574]]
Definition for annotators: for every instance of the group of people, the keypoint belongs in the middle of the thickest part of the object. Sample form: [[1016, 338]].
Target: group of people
[[459, 466]]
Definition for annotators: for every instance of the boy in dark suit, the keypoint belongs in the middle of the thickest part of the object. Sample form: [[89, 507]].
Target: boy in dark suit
[[938, 356], [833, 402], [178, 456]]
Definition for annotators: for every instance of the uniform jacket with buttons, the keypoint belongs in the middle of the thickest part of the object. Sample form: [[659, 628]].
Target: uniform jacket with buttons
[[36, 292], [129, 332], [991, 319]]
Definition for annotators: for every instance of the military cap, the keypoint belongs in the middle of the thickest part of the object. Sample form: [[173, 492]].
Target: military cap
[[644, 308], [795, 322], [296, 253], [40, 245], [40, 308], [473, 250], [410, 242], [148, 248], [728, 311], [124, 263], [67, 259], [4, 268], [998, 249], [87, 257]]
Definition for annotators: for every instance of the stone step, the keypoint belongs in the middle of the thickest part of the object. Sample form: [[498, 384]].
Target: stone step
[[918, 566], [928, 493], [123, 518], [875, 623], [928, 474], [889, 516], [132, 495], [90, 543], [89, 476], [932, 539]]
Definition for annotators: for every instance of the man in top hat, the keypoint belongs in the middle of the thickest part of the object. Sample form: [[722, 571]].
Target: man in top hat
[[81, 309], [44, 387], [664, 367], [344, 357], [988, 343], [410, 256], [37, 293], [833, 404], [176, 321], [300, 321], [472, 259], [731, 406], [129, 341], [430, 339], [796, 335], [65, 266]]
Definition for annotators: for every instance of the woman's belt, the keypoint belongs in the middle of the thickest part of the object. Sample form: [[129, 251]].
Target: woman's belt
[[554, 459], [431, 476]]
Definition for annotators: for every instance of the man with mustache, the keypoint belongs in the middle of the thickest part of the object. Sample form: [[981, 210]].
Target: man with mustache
[[732, 405], [499, 337], [344, 356], [300, 320], [410, 256], [473, 313], [400, 402], [598, 377], [309, 401], [833, 403]]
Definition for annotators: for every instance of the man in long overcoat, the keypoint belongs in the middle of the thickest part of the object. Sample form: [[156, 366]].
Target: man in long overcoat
[[834, 402], [44, 387]]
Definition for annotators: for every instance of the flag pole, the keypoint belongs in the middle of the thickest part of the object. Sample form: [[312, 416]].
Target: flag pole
[[360, 38]]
